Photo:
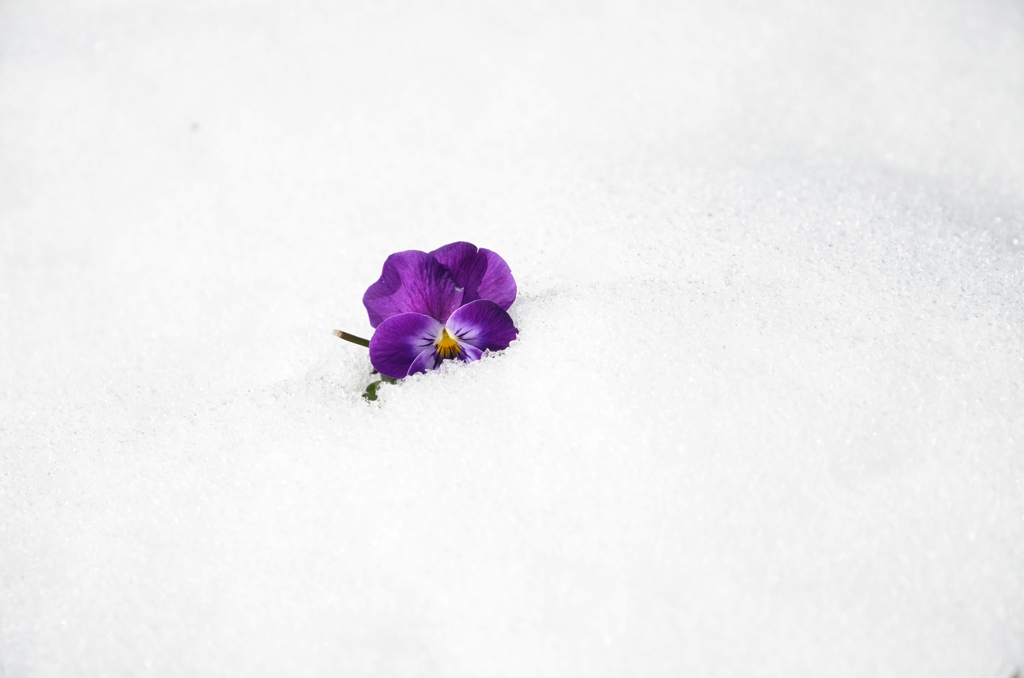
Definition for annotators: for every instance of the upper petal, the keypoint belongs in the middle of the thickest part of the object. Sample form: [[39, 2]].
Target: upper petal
[[412, 282], [482, 324], [480, 272], [400, 340]]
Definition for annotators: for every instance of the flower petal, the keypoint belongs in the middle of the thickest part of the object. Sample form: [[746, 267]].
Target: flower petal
[[483, 325], [480, 272], [424, 362], [400, 340], [412, 282], [469, 353]]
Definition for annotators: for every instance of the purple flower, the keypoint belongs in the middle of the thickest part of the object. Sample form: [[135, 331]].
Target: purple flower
[[429, 307]]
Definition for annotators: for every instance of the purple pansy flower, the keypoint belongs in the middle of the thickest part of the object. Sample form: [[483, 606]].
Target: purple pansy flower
[[431, 306]]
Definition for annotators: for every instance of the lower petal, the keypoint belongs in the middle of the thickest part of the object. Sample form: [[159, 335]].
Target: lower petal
[[470, 353], [424, 362], [483, 325], [400, 340]]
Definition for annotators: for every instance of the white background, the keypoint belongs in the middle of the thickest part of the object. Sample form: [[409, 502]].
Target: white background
[[765, 416]]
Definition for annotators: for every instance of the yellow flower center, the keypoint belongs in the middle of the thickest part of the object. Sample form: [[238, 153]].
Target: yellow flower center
[[446, 345]]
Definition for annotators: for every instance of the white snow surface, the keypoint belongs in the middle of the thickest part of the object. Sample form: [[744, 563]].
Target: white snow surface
[[765, 416]]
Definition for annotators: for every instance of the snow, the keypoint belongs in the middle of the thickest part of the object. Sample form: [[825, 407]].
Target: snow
[[764, 416]]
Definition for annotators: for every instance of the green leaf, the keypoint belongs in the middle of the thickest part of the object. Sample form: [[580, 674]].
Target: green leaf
[[370, 393]]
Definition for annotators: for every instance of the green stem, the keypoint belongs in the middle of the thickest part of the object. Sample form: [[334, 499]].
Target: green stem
[[351, 337]]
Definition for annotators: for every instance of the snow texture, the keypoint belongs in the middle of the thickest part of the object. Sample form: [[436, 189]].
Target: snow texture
[[765, 415]]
